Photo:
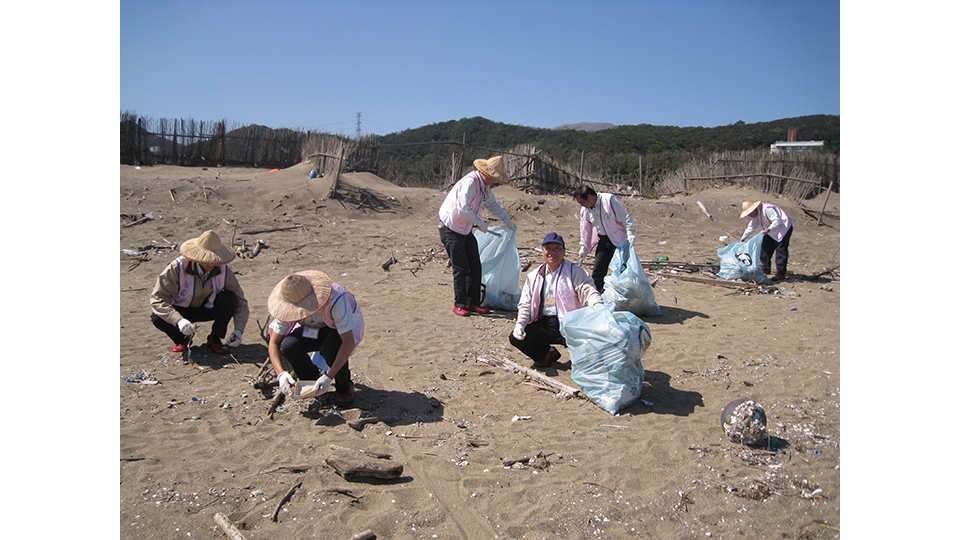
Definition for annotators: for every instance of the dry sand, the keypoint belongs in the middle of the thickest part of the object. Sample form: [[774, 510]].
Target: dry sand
[[198, 442]]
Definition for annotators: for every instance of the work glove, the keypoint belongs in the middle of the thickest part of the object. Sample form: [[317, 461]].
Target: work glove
[[235, 339], [519, 332], [323, 384], [186, 327], [286, 383], [511, 225], [632, 239], [583, 252], [482, 226]]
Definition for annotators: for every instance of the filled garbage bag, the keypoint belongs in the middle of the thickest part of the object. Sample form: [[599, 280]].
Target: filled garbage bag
[[627, 287], [605, 350], [500, 265], [741, 260]]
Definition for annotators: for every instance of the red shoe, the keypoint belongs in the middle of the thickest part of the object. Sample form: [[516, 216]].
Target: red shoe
[[478, 309], [552, 356], [216, 345], [345, 399], [778, 277], [179, 347], [461, 312]]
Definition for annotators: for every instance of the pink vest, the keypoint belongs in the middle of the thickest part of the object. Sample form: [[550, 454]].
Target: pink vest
[[566, 294], [591, 234], [326, 312], [450, 209], [187, 281]]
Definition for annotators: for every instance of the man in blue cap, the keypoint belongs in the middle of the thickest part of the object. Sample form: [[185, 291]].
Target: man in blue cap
[[554, 289]]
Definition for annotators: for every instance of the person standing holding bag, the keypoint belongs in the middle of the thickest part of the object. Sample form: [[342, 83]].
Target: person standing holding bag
[[604, 223], [459, 213], [777, 229]]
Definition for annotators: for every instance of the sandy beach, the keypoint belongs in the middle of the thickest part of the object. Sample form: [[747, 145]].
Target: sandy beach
[[486, 452]]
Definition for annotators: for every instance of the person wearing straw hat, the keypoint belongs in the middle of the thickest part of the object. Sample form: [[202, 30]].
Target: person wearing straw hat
[[199, 286], [554, 289], [312, 313], [604, 223], [459, 213], [777, 228]]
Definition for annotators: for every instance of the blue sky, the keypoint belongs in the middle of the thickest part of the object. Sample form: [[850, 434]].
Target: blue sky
[[538, 63]]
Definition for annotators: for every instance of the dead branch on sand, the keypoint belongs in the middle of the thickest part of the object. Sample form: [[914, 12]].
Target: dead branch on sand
[[508, 365], [285, 499]]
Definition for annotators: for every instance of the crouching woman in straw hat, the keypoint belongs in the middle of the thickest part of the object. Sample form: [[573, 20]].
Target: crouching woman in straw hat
[[458, 215], [199, 286], [312, 313]]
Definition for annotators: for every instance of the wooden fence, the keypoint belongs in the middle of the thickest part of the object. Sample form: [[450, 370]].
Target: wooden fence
[[798, 177], [190, 143]]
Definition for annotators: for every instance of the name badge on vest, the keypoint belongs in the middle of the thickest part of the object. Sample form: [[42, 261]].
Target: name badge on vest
[[311, 332]]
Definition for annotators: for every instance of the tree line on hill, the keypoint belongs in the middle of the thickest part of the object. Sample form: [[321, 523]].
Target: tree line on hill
[[617, 153]]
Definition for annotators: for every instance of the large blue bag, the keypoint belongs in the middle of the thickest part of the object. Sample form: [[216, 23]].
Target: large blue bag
[[605, 350], [741, 260], [500, 265], [627, 287]]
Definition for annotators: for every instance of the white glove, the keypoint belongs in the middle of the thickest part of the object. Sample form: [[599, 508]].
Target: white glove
[[186, 327], [286, 382], [235, 339], [519, 332], [323, 384], [632, 239], [482, 226], [583, 252]]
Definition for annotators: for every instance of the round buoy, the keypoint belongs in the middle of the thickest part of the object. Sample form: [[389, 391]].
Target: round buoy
[[313, 173], [744, 422]]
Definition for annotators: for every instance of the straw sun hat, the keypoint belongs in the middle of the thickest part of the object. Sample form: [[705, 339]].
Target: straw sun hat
[[207, 249], [493, 168], [299, 295], [748, 207]]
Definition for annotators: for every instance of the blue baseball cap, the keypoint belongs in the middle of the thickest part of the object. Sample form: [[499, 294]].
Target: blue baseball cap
[[553, 238]]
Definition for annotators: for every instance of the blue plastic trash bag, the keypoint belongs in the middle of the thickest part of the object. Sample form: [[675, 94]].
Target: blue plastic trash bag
[[605, 350], [627, 287], [741, 260], [500, 264]]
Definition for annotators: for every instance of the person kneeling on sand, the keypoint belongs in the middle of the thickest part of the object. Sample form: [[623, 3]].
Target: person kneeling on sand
[[551, 291], [312, 313], [199, 286]]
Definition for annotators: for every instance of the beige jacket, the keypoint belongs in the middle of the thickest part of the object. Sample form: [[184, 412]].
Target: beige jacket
[[168, 285]]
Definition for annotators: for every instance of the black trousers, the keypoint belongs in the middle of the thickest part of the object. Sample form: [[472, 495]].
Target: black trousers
[[224, 306], [602, 258], [769, 246], [464, 256], [541, 333], [296, 349]]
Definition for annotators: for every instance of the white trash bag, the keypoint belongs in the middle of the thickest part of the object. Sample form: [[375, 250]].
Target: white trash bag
[[605, 351]]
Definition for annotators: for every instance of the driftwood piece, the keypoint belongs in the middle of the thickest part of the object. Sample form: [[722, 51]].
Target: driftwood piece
[[508, 365], [719, 282], [360, 422], [277, 401], [285, 499], [704, 210], [146, 217], [273, 230], [228, 527], [351, 464]]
